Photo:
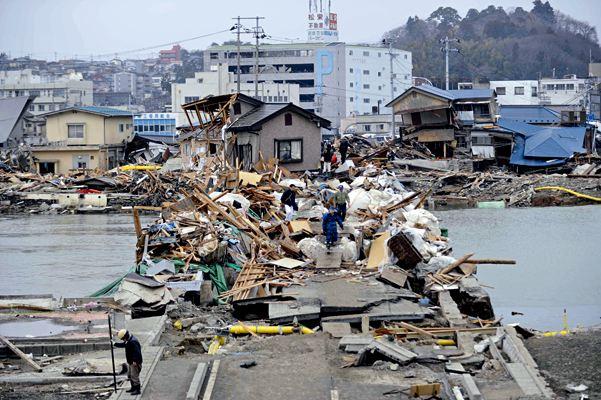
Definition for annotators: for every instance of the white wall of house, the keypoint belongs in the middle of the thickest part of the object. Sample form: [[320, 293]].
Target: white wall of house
[[516, 92], [562, 92]]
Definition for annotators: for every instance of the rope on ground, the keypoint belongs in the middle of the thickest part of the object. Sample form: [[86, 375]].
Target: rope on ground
[[572, 192]]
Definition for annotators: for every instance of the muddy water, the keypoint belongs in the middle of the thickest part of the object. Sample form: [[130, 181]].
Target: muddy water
[[64, 255], [558, 251], [37, 328]]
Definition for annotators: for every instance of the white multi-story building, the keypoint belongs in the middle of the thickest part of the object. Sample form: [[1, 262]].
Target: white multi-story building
[[567, 91], [368, 78], [516, 92], [125, 82], [558, 93], [220, 81], [51, 93]]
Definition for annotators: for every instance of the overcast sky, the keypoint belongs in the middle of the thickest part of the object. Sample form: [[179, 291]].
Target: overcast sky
[[65, 28]]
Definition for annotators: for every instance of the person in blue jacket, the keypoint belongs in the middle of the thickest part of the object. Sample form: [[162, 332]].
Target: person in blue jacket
[[328, 224]]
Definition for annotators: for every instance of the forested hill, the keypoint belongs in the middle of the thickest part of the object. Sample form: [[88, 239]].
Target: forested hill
[[498, 44]]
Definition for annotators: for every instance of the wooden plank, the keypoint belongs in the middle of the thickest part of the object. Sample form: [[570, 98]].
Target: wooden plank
[[415, 329], [454, 265], [22, 355]]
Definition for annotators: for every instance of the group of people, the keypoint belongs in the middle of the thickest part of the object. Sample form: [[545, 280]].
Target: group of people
[[329, 157], [336, 203]]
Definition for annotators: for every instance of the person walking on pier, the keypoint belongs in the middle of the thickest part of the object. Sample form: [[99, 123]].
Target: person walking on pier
[[133, 356]]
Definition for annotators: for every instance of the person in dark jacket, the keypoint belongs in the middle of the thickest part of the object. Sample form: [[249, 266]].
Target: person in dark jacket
[[328, 224], [343, 149], [288, 199], [327, 157], [133, 356]]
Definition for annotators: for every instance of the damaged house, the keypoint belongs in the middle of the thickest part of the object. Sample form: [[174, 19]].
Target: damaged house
[[243, 130], [442, 119]]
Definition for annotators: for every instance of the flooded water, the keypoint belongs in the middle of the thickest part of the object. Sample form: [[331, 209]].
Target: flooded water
[[557, 249], [37, 328], [64, 255], [558, 256]]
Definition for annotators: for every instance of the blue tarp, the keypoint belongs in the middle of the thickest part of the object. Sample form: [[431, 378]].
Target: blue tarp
[[541, 146]]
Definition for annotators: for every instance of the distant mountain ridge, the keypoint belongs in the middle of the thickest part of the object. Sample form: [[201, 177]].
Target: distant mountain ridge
[[496, 44]]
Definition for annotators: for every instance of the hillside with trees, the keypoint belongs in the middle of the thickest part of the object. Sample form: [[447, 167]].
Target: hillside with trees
[[498, 44]]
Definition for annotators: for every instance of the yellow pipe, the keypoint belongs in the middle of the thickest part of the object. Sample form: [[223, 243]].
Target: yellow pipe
[[268, 330], [572, 192], [445, 342], [140, 167]]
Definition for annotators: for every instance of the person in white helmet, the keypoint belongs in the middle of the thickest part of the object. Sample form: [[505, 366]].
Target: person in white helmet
[[133, 356]]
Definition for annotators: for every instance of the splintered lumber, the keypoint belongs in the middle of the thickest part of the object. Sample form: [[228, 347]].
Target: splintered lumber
[[415, 329], [454, 265], [492, 261], [18, 352]]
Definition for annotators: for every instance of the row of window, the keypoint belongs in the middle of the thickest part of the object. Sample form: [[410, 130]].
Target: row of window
[[563, 86], [154, 128], [76, 131], [367, 127], [262, 54], [517, 90], [46, 107], [366, 54], [39, 92]]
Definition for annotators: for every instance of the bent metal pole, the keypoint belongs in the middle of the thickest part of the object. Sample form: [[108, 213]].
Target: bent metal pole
[[112, 352]]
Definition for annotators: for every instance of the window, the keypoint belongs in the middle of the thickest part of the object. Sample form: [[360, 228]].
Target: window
[[501, 91], [352, 84], [121, 128], [351, 70], [41, 107], [214, 56], [365, 72], [366, 100], [189, 99], [379, 54], [560, 86], [350, 52], [534, 91], [288, 119], [518, 90], [570, 86], [237, 109], [381, 126], [367, 128], [366, 86], [156, 128], [581, 86], [289, 150], [379, 87], [350, 99], [550, 87], [75, 131], [366, 54]]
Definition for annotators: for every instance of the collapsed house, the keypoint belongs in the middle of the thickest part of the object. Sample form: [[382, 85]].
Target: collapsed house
[[442, 119], [239, 130]]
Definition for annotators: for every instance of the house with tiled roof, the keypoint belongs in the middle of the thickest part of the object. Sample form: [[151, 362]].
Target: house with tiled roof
[[83, 138]]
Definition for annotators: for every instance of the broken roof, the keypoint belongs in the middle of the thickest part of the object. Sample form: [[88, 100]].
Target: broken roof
[[542, 145], [253, 119], [451, 95], [11, 110], [531, 114]]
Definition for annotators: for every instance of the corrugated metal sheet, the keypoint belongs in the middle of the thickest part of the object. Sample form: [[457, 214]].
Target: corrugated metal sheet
[[534, 114]]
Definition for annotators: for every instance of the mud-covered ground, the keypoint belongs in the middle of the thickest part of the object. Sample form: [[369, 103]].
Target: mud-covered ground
[[573, 359], [51, 392]]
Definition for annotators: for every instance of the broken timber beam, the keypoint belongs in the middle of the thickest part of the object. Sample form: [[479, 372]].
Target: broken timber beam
[[22, 355]]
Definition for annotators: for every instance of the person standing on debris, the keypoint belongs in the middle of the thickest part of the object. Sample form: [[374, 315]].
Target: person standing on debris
[[343, 149], [133, 356], [327, 158], [288, 199], [340, 200], [330, 230]]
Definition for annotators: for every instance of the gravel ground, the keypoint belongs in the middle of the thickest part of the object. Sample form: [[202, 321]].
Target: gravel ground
[[572, 359]]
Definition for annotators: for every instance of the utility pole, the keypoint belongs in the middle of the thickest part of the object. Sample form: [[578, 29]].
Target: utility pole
[[393, 119], [447, 49], [238, 26], [257, 58], [259, 33]]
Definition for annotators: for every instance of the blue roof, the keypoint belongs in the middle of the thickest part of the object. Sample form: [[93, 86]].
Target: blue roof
[[543, 146], [109, 112], [458, 94], [532, 114]]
